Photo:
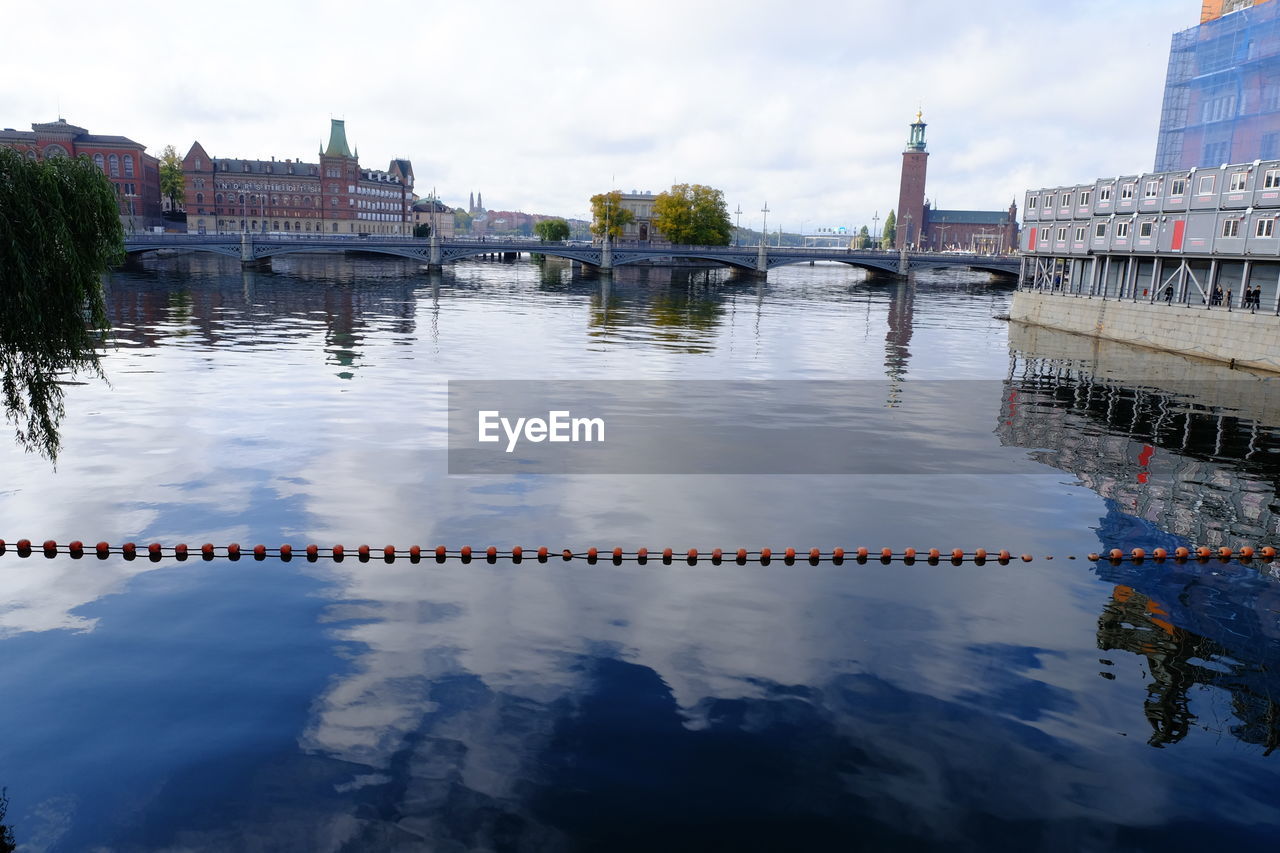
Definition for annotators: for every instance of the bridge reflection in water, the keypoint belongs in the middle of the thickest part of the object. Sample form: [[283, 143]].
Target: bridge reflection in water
[[1185, 453]]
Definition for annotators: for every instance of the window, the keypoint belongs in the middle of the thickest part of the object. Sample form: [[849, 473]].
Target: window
[[114, 162], [1100, 230], [1104, 194], [1126, 191], [1216, 152], [1085, 197], [128, 165], [198, 166], [1062, 233], [199, 198], [1122, 230], [1065, 202], [1177, 187], [333, 202], [1271, 179], [218, 198], [1205, 186], [99, 162], [1266, 228], [1238, 180], [1231, 228], [1152, 189], [1079, 233], [1144, 230], [1047, 201]]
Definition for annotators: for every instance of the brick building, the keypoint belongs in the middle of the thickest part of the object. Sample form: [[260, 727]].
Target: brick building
[[920, 226], [334, 196], [132, 171]]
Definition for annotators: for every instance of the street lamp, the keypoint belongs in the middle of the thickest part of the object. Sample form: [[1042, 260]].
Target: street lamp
[[875, 231], [737, 230], [764, 228]]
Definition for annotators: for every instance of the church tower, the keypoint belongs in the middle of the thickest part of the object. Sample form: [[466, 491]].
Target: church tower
[[915, 161]]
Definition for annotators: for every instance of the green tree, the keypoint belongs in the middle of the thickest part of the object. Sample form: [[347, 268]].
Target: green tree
[[890, 231], [461, 220], [552, 230], [607, 213], [172, 184], [422, 230], [864, 238], [693, 214], [59, 231]]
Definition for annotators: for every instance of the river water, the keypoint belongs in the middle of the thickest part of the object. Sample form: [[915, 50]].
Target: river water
[[1060, 704]]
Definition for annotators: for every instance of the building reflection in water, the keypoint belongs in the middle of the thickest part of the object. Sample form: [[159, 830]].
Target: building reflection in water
[[1185, 453]]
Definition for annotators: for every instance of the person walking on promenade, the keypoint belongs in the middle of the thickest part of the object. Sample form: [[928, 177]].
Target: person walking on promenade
[[1168, 294]]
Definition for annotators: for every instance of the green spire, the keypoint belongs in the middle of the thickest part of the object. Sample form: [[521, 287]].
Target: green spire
[[337, 139]]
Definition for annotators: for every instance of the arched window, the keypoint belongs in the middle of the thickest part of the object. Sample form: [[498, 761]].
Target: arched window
[[128, 165], [99, 162], [297, 226], [309, 202], [199, 198], [255, 225], [218, 198], [31, 154], [242, 198], [54, 151], [275, 226], [114, 162], [286, 225]]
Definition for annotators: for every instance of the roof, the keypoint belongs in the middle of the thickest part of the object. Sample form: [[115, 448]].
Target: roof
[[969, 217], [265, 167], [337, 139], [425, 204]]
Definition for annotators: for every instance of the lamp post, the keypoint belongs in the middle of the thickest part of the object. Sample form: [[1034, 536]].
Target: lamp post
[[764, 228], [943, 229], [875, 230], [737, 230]]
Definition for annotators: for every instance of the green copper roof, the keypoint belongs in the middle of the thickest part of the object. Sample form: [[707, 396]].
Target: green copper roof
[[337, 139]]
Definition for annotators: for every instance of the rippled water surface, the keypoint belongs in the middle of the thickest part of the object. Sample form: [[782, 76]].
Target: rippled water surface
[[1060, 704]]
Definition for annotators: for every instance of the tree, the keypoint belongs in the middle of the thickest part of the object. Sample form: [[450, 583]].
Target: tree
[[890, 231], [172, 184], [461, 220], [422, 230], [693, 214], [607, 213], [864, 238], [59, 231], [552, 230]]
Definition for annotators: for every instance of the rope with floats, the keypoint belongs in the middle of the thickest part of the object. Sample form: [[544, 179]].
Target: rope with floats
[[155, 552]]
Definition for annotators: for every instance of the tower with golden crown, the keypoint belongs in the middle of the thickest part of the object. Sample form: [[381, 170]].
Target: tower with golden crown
[[915, 162]]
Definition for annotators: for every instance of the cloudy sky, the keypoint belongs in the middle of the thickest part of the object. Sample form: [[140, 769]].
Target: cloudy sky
[[539, 105]]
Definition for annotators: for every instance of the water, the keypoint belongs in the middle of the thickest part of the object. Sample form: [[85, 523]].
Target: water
[[1055, 705]]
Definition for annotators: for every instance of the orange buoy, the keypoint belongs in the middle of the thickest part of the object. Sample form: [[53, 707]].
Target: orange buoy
[[441, 553], [815, 555], [50, 548], [1116, 554], [313, 552], [957, 553], [1246, 551], [742, 556], [642, 556], [617, 556], [491, 553], [666, 556], [934, 553], [415, 553], [259, 552], [1159, 553], [862, 553], [103, 550], [363, 552], [765, 555], [542, 554], [1094, 556], [128, 549], [1026, 558], [837, 556], [233, 551], [566, 555], [1268, 551], [76, 549], [180, 551], [1004, 556], [338, 553], [980, 554], [155, 552], [1181, 553], [909, 553], [23, 544], [206, 551], [466, 553], [717, 556], [692, 556], [286, 552], [591, 555], [1224, 552], [1138, 554], [389, 553], [517, 554]]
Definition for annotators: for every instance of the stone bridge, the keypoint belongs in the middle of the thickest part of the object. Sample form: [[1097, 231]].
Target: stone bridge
[[753, 259]]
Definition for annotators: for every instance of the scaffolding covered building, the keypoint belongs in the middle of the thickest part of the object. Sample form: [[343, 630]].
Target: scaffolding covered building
[[1222, 90]]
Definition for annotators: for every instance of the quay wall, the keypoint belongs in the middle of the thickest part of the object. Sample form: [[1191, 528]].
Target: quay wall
[[1248, 340]]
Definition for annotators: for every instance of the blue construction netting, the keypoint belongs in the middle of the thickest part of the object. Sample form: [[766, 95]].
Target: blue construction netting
[[1222, 92]]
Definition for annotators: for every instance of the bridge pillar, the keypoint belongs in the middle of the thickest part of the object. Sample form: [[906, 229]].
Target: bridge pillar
[[762, 261], [246, 254], [606, 257], [903, 265], [433, 262]]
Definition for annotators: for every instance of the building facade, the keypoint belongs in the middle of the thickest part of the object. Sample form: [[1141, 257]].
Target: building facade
[[1222, 89], [335, 195], [133, 172], [920, 226], [435, 213]]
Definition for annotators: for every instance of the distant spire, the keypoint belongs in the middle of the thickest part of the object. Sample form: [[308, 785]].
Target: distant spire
[[480, 200], [471, 203]]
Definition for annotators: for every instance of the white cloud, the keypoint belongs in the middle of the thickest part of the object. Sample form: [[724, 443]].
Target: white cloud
[[539, 106]]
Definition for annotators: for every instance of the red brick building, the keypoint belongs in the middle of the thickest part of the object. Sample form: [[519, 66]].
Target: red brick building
[[919, 226], [134, 173], [334, 196]]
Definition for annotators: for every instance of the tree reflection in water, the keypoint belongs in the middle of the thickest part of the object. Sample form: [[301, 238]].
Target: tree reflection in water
[[7, 842]]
